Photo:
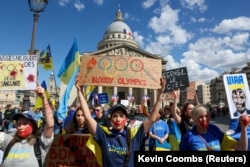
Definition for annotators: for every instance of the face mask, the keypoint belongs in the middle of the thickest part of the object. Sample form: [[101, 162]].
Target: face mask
[[26, 132]]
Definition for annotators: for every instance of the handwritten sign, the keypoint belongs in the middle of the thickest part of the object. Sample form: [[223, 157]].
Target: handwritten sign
[[176, 78], [18, 72], [70, 150], [120, 71], [238, 94]]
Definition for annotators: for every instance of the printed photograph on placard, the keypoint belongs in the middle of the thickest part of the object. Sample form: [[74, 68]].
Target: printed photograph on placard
[[238, 96]]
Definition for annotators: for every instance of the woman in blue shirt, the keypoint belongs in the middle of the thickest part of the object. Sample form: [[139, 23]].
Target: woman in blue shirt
[[207, 137]]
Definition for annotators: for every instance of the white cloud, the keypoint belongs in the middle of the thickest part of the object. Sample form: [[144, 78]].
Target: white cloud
[[63, 2], [240, 23], [194, 4], [99, 2], [79, 6], [167, 29], [138, 38], [128, 16], [148, 3], [208, 57]]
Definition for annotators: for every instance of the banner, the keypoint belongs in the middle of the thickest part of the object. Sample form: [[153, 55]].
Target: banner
[[125, 71], [70, 151], [18, 72]]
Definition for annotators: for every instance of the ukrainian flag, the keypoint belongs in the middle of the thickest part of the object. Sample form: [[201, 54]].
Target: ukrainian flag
[[45, 59], [174, 135], [70, 64], [39, 101]]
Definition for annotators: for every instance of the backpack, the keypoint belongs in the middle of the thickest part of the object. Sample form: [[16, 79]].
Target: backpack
[[37, 151]]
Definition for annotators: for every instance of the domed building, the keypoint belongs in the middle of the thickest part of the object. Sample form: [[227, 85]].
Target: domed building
[[118, 40]]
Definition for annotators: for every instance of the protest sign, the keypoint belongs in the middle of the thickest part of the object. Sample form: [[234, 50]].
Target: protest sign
[[176, 78], [120, 71], [18, 72], [238, 95], [70, 151]]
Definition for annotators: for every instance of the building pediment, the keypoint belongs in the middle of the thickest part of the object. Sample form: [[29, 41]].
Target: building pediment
[[126, 50]]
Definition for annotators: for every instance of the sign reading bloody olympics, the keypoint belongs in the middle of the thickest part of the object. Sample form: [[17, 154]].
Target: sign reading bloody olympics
[[18, 72], [176, 78], [70, 150], [120, 71]]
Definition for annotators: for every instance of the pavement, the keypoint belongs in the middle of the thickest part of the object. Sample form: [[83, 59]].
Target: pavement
[[221, 121]]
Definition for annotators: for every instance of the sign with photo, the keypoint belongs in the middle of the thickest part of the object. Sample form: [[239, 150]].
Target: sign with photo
[[176, 78], [18, 72], [238, 95]]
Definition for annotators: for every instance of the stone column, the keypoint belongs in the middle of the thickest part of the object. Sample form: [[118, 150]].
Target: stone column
[[114, 93]]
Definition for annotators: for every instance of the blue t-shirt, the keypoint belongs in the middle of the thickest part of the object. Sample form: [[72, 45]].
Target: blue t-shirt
[[160, 129], [192, 141], [114, 147]]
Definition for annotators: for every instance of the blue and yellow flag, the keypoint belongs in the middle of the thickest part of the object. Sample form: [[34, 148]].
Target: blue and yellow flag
[[39, 101], [45, 59], [87, 91], [63, 105], [70, 64]]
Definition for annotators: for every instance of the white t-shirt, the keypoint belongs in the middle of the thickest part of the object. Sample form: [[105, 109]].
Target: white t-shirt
[[22, 154]]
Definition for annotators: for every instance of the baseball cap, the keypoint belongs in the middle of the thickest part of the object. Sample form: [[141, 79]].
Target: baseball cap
[[26, 114], [119, 107]]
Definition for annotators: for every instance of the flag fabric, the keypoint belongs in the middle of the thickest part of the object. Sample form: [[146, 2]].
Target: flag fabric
[[45, 59], [62, 109], [39, 101], [70, 64], [87, 91], [174, 135]]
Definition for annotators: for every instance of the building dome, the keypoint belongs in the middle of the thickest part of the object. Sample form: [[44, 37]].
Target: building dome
[[117, 33], [118, 27]]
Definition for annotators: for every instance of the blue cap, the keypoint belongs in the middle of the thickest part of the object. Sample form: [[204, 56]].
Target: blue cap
[[26, 114]]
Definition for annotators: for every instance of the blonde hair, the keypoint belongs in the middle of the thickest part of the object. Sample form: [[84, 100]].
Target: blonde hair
[[198, 110]]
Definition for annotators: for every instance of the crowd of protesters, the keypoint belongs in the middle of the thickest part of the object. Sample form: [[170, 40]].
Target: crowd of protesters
[[193, 120]]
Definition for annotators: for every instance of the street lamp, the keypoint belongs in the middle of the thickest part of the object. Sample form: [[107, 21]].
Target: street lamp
[[6, 98], [36, 6]]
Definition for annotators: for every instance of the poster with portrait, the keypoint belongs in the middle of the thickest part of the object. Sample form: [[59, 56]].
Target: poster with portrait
[[238, 96], [18, 72]]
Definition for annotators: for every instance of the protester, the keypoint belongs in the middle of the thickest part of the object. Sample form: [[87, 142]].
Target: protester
[[20, 149], [8, 121], [158, 133], [208, 137], [184, 120], [78, 124], [100, 117], [119, 144]]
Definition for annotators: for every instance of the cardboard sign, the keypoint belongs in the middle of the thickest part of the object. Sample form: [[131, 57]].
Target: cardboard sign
[[120, 71], [238, 95], [176, 78], [70, 151], [18, 72], [102, 98]]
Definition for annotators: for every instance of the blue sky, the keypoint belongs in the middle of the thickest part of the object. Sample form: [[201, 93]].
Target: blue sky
[[208, 37]]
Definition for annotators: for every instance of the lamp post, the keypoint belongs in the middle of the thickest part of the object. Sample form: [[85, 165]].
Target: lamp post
[[6, 98], [36, 6]]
